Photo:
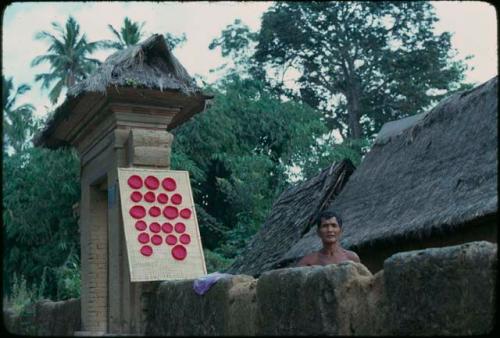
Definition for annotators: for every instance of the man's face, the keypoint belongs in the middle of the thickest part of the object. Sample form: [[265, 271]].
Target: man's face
[[329, 231]]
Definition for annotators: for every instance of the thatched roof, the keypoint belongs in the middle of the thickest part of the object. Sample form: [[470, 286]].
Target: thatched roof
[[149, 65], [291, 216], [430, 174]]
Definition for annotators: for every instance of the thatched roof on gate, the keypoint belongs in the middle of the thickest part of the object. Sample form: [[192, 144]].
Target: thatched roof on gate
[[290, 218], [430, 174], [149, 64]]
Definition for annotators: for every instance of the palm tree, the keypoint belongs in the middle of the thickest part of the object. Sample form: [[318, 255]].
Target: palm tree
[[68, 55], [130, 34], [18, 122]]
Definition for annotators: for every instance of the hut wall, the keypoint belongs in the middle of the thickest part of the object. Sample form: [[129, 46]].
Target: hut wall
[[482, 229]]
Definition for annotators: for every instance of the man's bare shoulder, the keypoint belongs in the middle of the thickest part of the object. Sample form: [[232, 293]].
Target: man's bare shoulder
[[309, 259], [352, 256]]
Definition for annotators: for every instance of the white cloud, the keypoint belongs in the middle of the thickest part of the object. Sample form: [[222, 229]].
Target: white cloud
[[474, 28]]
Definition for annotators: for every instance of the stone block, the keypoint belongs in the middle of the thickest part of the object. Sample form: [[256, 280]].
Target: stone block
[[60, 318], [176, 310], [442, 291], [149, 147], [317, 300], [150, 138], [242, 311], [150, 156]]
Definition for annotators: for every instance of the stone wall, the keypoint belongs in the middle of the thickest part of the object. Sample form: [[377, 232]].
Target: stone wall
[[440, 291], [46, 318], [228, 308]]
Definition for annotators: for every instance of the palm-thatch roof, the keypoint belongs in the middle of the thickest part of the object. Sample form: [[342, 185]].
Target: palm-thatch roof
[[428, 175], [149, 64], [291, 216]]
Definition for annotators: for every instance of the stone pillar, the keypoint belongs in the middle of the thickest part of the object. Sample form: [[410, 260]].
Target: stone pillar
[[134, 147], [110, 302]]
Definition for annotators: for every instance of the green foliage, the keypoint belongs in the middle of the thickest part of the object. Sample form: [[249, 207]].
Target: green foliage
[[68, 56], [18, 121], [68, 278], [40, 231], [238, 153], [21, 295], [174, 41], [21, 304], [215, 262], [329, 151], [237, 43], [40, 187]]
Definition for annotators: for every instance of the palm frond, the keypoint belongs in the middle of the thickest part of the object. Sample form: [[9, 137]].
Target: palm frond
[[43, 58], [109, 44], [93, 46], [118, 36], [72, 31], [23, 88], [45, 35], [81, 47], [56, 91], [58, 27], [46, 79], [95, 62], [7, 87]]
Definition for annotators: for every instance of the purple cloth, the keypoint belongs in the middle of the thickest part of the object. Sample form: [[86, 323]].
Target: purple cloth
[[203, 284]]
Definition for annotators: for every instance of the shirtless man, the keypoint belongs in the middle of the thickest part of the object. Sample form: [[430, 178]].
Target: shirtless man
[[329, 230]]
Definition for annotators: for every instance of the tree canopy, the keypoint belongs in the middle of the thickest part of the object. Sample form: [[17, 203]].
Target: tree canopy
[[361, 63], [18, 121], [174, 41], [239, 153], [237, 43], [40, 187]]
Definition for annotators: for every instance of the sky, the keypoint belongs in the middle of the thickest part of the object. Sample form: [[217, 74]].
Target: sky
[[473, 24]]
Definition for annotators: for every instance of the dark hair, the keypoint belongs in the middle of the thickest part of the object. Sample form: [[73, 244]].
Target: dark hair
[[327, 214]]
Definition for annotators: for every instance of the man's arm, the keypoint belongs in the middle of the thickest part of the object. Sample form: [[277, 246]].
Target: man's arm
[[353, 256]]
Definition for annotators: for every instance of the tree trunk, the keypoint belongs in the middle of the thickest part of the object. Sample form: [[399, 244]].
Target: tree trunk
[[70, 80], [354, 109]]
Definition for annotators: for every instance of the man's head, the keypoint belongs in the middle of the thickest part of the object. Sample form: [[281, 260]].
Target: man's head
[[329, 226], [327, 214]]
